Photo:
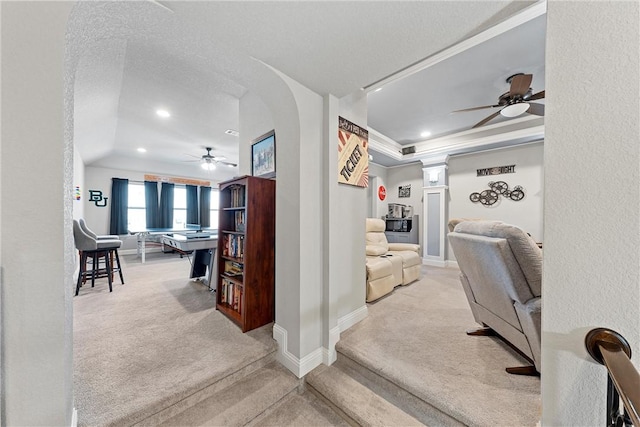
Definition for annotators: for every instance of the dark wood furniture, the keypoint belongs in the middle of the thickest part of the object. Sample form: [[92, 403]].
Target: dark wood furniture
[[245, 287], [96, 270]]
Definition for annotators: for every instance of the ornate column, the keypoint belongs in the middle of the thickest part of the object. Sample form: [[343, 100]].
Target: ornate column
[[435, 192]]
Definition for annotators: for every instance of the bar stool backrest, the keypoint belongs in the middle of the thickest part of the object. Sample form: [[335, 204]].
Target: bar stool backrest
[[83, 241]]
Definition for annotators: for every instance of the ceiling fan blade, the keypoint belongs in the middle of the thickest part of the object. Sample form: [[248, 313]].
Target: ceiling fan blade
[[535, 96], [537, 109], [486, 119], [233, 165], [520, 84], [476, 108]]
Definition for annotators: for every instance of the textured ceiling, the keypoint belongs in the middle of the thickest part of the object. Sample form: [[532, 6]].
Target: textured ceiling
[[475, 77], [135, 57]]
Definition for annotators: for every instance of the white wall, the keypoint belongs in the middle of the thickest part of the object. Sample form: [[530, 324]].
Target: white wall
[[592, 201], [301, 189], [78, 181], [347, 221], [255, 120], [526, 213], [412, 175], [377, 177], [36, 220], [344, 213], [98, 217]]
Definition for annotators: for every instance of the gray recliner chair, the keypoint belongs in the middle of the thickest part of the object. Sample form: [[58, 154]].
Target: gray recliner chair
[[501, 273]]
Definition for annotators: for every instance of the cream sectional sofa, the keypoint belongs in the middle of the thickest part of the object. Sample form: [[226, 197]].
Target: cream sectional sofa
[[388, 264]]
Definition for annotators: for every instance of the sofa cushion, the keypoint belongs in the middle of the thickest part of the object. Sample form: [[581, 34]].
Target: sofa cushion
[[378, 240], [409, 258], [404, 247], [378, 267]]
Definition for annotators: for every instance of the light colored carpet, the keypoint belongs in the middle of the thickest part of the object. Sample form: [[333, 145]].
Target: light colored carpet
[[153, 342], [302, 409], [242, 401], [358, 402], [415, 337], [144, 351]]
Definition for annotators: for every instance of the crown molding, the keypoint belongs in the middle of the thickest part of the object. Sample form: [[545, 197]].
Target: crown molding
[[384, 145], [525, 15]]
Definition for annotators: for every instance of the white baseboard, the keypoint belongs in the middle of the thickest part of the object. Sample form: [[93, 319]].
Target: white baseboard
[[348, 320], [437, 262], [299, 367], [329, 355], [74, 418], [434, 262]]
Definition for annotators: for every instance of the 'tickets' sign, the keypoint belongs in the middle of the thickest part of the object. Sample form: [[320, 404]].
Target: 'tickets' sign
[[353, 154]]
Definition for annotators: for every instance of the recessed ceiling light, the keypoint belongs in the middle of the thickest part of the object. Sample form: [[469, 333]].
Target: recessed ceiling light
[[425, 134], [232, 132], [142, 150], [163, 113], [378, 90]]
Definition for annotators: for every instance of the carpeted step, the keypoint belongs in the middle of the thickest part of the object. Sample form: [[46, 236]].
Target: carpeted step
[[395, 394], [299, 409], [242, 401], [414, 340], [358, 403]]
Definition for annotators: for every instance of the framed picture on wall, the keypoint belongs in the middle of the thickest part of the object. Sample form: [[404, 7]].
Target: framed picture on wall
[[263, 155], [404, 190]]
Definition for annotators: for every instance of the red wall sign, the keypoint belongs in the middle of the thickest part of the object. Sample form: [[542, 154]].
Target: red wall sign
[[382, 192]]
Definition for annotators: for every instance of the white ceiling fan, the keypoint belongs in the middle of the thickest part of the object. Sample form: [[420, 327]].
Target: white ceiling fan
[[209, 162]]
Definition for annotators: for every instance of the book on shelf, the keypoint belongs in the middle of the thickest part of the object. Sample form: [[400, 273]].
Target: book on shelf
[[237, 196], [231, 294], [233, 269], [239, 221], [233, 246]]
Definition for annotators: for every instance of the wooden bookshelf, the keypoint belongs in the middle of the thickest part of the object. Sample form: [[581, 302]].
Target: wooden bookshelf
[[245, 286]]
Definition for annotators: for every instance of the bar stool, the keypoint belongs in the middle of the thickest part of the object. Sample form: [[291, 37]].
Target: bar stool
[[94, 248], [87, 230]]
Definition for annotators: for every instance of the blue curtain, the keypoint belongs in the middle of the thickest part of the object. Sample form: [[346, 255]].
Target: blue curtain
[[119, 206], [192, 204], [166, 206], [205, 205], [151, 204]]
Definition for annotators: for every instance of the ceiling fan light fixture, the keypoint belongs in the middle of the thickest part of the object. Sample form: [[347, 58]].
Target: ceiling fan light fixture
[[163, 113], [514, 110], [208, 166]]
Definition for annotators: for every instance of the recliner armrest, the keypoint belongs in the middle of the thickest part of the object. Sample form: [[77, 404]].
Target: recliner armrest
[[404, 247], [373, 250]]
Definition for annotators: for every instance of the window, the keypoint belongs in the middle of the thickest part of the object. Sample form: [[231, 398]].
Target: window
[[214, 207], [179, 207], [136, 211], [137, 207]]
